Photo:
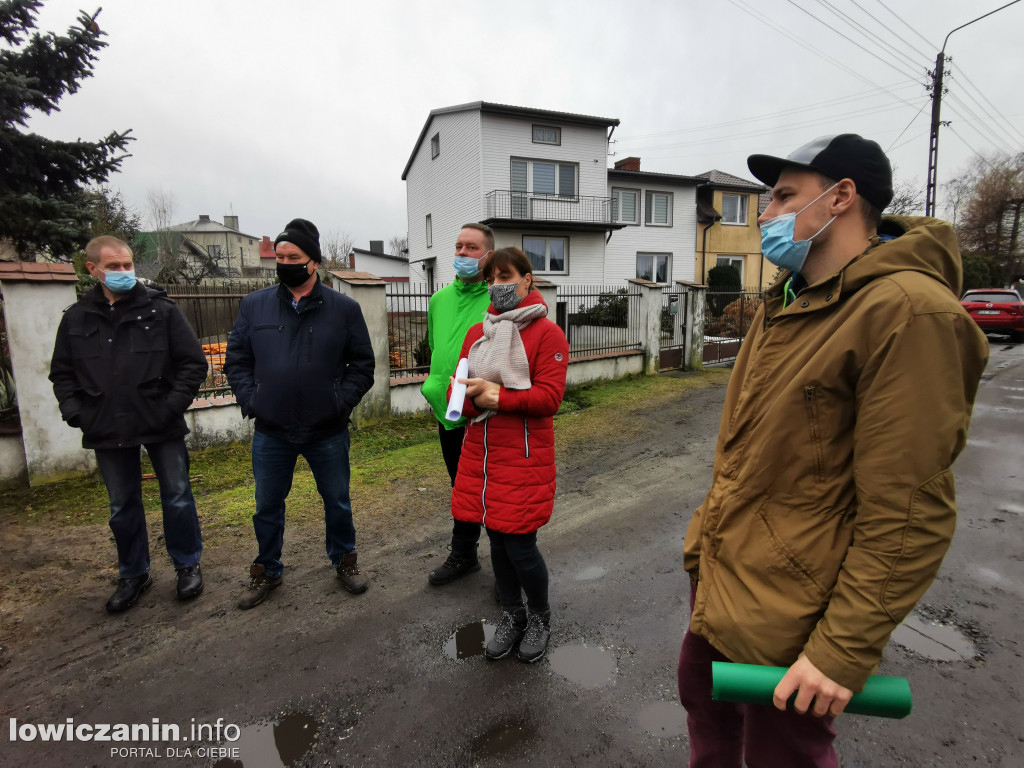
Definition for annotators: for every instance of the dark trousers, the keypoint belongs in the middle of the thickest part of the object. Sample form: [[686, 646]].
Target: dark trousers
[[519, 568], [464, 535], [273, 466], [726, 735], [121, 469]]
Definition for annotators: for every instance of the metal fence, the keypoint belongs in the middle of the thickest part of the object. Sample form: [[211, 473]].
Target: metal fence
[[674, 311], [727, 318], [211, 310], [408, 345], [507, 204], [598, 319]]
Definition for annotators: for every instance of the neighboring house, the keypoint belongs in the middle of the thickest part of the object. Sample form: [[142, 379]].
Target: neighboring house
[[391, 269], [727, 231], [659, 215], [538, 178], [233, 252]]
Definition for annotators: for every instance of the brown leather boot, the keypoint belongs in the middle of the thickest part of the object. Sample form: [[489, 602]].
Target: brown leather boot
[[259, 586], [351, 577]]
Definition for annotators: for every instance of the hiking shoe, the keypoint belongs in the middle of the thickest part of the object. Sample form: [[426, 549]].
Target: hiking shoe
[[535, 640], [351, 577], [190, 582], [454, 567], [508, 632], [259, 586], [127, 592]]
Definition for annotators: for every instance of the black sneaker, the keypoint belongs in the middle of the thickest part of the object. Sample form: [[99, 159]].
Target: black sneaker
[[190, 582], [535, 640], [508, 632], [127, 592], [259, 586], [454, 567]]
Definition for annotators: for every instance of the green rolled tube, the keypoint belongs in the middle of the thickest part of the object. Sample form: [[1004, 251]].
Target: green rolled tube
[[753, 684]]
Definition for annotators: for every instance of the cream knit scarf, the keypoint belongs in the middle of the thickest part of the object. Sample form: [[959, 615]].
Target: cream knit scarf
[[499, 355]]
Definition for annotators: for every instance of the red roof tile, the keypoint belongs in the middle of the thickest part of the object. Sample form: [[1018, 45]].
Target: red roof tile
[[34, 270]]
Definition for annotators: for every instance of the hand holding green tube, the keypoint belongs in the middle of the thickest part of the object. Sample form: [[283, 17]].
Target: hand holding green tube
[[754, 684]]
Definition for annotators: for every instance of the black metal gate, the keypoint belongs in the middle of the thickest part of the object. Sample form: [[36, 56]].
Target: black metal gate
[[673, 330]]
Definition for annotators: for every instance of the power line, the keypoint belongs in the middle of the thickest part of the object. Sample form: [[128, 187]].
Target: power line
[[927, 42], [870, 53], [768, 23], [781, 113], [923, 105], [964, 112], [872, 39], [992, 122], [909, 141], [968, 145], [882, 25], [960, 71]]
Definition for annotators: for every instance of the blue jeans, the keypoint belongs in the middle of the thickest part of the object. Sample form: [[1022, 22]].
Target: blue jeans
[[273, 464], [121, 469]]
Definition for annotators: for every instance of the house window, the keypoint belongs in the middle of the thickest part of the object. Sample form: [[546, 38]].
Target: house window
[[624, 206], [214, 251], [547, 134], [435, 146], [430, 233], [543, 177], [731, 261], [734, 209], [547, 254], [656, 267], [659, 209]]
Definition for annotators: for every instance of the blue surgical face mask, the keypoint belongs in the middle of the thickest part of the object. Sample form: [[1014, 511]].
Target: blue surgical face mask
[[777, 243], [119, 282], [466, 266]]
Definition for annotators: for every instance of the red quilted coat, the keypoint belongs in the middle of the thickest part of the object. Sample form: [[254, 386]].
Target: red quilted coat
[[506, 476]]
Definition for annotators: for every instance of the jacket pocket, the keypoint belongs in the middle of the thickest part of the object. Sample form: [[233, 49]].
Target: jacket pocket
[[814, 425], [85, 342], [147, 334], [785, 556]]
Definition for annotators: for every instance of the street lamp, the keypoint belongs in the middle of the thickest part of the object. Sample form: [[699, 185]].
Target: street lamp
[[933, 144]]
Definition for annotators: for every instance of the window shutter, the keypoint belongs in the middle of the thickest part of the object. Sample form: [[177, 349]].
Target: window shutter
[[647, 208], [567, 180], [627, 204], [661, 209], [518, 175], [544, 178]]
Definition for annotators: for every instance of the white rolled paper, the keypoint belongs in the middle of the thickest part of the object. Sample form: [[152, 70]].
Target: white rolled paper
[[458, 397]]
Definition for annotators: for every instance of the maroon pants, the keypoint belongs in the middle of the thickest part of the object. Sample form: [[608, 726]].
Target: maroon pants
[[724, 735]]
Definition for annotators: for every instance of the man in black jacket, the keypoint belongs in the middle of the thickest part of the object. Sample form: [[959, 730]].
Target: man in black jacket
[[125, 368], [299, 359]]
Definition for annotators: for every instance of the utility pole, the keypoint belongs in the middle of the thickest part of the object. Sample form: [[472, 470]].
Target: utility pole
[[933, 142]]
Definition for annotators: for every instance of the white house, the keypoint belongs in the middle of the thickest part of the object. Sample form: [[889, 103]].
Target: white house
[[391, 269], [659, 211], [540, 180]]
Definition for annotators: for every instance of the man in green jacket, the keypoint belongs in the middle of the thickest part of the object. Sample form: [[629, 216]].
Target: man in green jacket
[[832, 502], [452, 312]]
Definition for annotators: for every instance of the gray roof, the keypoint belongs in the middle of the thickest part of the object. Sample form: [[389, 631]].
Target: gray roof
[[388, 256], [665, 178], [510, 111], [723, 179], [207, 225]]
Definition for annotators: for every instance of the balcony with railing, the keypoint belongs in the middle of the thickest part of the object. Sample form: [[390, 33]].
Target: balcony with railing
[[506, 208]]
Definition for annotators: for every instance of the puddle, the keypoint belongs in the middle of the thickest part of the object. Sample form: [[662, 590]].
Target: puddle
[[663, 719], [469, 640], [272, 745], [938, 642], [591, 573], [589, 667], [503, 738]]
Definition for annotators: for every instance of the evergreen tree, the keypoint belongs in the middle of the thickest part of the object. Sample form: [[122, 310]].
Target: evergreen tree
[[44, 200]]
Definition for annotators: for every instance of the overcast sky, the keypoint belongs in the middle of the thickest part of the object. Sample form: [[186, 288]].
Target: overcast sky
[[273, 110]]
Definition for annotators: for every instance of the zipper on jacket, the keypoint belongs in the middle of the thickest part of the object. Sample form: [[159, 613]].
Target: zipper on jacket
[[483, 492], [526, 437], [812, 419]]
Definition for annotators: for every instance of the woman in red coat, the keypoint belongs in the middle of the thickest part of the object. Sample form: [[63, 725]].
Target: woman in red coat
[[506, 479]]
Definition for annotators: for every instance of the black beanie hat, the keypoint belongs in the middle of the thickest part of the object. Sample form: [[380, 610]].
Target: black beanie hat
[[304, 235], [846, 156]]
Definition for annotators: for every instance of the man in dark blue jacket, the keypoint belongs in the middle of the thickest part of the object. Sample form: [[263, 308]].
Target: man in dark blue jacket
[[125, 368], [299, 359]]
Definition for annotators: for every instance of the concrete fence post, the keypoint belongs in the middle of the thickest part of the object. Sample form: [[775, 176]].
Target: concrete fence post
[[696, 303], [35, 295], [548, 292], [369, 291], [650, 324]]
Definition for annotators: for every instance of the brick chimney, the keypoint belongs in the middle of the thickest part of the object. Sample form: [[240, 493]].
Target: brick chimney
[[377, 246], [628, 164], [231, 222]]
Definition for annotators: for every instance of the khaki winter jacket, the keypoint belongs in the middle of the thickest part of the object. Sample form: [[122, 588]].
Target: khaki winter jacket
[[832, 503]]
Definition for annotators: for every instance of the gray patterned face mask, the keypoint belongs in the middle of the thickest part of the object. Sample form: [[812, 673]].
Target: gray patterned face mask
[[504, 296]]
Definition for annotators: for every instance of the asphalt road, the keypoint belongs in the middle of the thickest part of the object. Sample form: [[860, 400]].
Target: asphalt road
[[371, 680]]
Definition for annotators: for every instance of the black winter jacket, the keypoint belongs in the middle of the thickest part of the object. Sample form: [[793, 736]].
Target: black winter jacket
[[299, 373], [126, 373]]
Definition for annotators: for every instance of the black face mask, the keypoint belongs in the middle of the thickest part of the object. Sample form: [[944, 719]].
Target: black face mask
[[293, 275]]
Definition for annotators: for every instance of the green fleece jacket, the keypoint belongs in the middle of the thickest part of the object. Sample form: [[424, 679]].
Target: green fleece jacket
[[452, 312]]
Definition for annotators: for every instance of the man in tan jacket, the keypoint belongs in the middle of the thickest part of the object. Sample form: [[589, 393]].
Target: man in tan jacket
[[832, 502]]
